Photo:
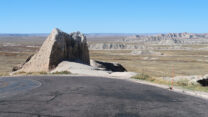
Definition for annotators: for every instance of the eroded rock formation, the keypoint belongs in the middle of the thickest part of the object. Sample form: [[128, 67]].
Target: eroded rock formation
[[59, 46]]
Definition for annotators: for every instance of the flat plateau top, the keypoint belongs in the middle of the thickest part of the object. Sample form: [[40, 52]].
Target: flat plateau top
[[73, 96]]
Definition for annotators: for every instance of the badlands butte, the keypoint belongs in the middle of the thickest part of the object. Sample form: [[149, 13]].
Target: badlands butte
[[180, 55], [68, 53]]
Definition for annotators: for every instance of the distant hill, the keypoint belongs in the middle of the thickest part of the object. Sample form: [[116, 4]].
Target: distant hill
[[168, 36], [22, 35]]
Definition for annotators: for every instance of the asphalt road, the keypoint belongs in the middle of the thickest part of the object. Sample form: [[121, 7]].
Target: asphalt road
[[13, 86], [69, 96]]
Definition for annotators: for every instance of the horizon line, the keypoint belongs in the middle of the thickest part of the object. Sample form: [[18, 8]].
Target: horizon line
[[103, 33]]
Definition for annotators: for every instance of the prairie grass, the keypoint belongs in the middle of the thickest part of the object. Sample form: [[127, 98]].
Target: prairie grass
[[63, 72], [30, 73], [181, 83], [177, 62], [4, 74]]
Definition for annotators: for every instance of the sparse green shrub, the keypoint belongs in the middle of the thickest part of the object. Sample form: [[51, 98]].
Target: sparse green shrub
[[183, 82], [43, 73], [4, 74], [19, 73], [63, 72], [143, 77], [30, 73], [37, 73]]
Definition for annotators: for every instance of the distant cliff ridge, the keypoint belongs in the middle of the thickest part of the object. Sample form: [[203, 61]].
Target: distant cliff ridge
[[169, 36], [141, 41], [117, 41]]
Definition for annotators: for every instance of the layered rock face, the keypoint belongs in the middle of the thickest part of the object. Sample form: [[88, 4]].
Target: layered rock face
[[168, 36], [58, 47]]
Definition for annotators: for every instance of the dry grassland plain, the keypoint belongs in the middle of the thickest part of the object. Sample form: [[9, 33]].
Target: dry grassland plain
[[172, 62]]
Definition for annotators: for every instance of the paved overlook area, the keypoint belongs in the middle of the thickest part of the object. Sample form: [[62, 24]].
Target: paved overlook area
[[73, 96]]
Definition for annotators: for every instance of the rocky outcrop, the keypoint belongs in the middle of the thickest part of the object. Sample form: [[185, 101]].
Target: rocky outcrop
[[107, 66], [168, 36], [140, 42], [83, 69], [59, 46], [19, 66], [138, 46], [62, 52], [203, 82]]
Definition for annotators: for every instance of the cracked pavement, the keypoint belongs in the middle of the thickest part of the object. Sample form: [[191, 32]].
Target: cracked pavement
[[75, 96]]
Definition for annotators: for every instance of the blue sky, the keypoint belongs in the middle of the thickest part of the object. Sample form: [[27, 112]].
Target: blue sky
[[104, 16]]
